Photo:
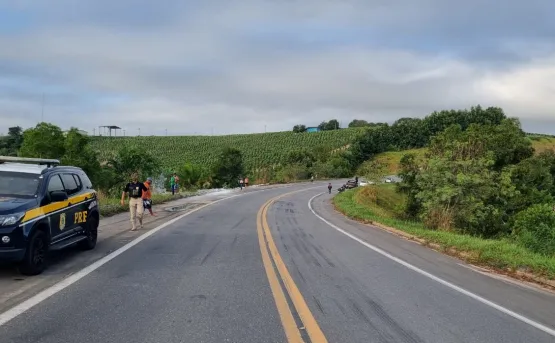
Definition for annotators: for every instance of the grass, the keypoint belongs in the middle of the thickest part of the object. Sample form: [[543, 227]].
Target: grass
[[392, 159], [382, 205], [543, 143], [111, 206]]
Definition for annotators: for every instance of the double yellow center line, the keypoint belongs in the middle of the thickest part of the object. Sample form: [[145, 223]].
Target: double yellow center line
[[271, 257]]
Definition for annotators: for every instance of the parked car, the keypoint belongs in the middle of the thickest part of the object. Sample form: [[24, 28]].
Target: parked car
[[365, 182], [44, 207]]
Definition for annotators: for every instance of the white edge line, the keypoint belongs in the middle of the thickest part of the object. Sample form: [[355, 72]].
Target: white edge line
[[45, 294], [515, 315]]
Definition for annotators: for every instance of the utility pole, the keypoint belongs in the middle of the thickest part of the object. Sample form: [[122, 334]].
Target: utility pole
[[139, 131], [123, 133], [42, 109]]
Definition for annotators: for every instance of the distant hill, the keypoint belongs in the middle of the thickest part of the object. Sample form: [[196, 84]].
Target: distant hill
[[259, 150]]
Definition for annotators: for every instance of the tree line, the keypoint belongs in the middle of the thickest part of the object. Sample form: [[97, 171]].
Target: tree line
[[46, 140], [334, 124], [484, 180], [323, 126]]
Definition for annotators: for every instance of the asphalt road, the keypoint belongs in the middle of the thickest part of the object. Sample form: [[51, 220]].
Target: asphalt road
[[245, 270]]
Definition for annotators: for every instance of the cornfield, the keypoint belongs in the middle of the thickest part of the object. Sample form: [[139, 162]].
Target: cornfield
[[259, 150]]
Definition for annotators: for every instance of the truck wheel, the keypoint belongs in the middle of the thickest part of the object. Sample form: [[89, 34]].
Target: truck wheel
[[34, 261], [92, 235]]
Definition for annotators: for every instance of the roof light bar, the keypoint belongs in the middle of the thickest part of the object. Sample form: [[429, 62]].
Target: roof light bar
[[39, 161]]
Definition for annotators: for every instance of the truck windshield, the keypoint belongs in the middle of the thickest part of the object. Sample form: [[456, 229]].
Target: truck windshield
[[18, 185]]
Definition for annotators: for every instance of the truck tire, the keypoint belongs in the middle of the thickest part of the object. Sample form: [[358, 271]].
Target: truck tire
[[34, 261], [92, 235]]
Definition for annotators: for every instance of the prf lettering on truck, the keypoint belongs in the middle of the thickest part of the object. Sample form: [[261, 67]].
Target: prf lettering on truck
[[80, 217]]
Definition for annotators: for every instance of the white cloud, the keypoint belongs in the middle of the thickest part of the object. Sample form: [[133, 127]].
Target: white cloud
[[204, 68], [529, 89]]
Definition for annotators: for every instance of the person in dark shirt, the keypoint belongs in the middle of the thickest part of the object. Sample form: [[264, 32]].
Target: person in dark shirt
[[134, 190]]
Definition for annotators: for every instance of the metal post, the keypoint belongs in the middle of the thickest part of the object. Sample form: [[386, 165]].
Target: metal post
[[42, 110]]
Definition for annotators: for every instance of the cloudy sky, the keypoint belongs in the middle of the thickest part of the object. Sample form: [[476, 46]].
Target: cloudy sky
[[240, 66]]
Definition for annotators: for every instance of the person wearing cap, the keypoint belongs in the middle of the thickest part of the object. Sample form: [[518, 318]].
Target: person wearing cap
[[147, 196]]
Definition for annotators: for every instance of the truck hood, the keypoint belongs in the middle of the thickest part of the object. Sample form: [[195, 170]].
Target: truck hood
[[12, 205]]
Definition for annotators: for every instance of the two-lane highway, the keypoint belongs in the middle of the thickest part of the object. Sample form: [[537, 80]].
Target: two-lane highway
[[270, 267]]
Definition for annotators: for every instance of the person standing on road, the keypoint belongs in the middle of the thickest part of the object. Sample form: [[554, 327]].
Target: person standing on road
[[241, 183], [246, 182], [147, 196], [172, 183], [329, 188], [176, 182], [134, 190]]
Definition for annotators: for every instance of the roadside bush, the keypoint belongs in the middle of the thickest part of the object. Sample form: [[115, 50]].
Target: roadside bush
[[291, 172], [229, 168], [372, 170], [535, 229]]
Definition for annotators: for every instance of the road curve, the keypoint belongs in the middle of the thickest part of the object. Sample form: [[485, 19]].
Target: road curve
[[265, 267]]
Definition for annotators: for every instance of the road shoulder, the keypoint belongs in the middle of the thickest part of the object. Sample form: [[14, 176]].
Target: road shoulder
[[531, 302], [114, 233]]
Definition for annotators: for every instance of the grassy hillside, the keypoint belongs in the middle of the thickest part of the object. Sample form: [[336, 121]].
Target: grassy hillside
[[542, 143], [259, 150], [392, 158], [382, 206]]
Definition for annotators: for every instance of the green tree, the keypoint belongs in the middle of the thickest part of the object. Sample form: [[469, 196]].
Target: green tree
[[321, 153], [329, 125], [471, 181], [130, 160], [10, 144], [191, 175], [302, 157], [506, 141], [535, 228], [299, 128], [77, 152], [292, 172], [489, 116], [548, 157], [534, 182], [15, 137], [373, 142], [409, 133], [43, 141], [373, 170], [359, 123], [456, 194], [409, 171], [229, 168]]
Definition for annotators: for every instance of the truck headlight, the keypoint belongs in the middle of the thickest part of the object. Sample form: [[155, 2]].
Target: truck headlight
[[11, 219]]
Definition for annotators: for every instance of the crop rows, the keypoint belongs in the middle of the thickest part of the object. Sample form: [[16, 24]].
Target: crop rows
[[259, 150]]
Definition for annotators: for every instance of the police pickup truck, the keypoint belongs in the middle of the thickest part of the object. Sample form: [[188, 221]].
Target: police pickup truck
[[44, 207]]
